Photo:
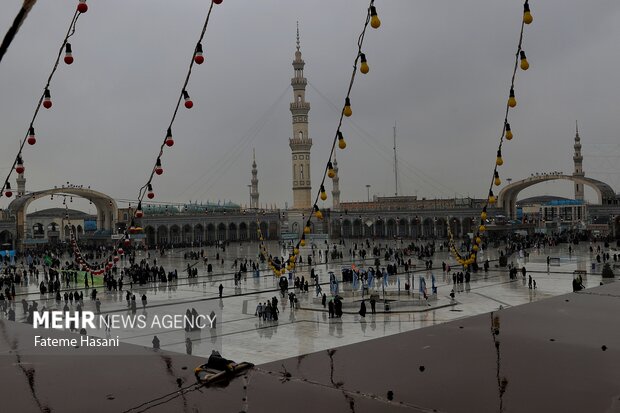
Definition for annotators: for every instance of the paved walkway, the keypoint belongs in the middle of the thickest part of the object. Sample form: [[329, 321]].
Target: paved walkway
[[308, 329]]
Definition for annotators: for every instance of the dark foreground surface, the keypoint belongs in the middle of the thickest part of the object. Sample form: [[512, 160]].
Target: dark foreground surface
[[557, 355]]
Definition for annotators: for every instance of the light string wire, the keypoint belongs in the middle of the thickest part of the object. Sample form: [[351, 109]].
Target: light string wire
[[69, 33], [17, 22], [143, 189], [506, 134], [371, 12]]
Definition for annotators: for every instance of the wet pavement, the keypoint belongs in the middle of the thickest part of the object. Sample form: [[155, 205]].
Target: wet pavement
[[242, 335]]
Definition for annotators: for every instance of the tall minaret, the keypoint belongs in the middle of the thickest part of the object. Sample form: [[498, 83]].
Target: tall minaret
[[578, 159], [335, 187], [254, 181], [300, 143], [21, 185]]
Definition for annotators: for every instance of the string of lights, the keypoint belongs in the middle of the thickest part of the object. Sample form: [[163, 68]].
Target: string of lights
[[45, 100], [147, 189], [507, 134], [372, 18]]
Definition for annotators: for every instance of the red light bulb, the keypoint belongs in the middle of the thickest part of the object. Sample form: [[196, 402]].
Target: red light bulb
[[198, 57], [82, 7], [169, 140], [7, 191], [19, 168], [217, 1], [158, 169], [68, 54], [47, 99], [188, 102], [116, 258], [150, 194], [32, 139]]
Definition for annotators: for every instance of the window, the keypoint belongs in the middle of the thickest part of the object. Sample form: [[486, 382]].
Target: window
[[301, 136], [301, 172]]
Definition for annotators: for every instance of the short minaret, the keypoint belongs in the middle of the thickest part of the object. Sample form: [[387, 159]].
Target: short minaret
[[300, 143], [254, 181], [578, 159], [335, 187], [21, 185]]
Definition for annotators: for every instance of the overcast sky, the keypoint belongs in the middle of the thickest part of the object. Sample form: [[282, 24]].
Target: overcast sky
[[439, 69]]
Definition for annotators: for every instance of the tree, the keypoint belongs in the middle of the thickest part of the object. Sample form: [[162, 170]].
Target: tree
[[607, 271]]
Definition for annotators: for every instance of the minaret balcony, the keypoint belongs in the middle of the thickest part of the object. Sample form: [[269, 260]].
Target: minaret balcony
[[300, 108], [300, 145], [299, 81]]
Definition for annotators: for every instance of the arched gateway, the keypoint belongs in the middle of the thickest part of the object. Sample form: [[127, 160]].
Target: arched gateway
[[107, 210], [508, 195]]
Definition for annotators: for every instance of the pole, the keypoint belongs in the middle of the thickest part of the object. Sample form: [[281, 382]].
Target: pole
[[395, 164], [368, 192]]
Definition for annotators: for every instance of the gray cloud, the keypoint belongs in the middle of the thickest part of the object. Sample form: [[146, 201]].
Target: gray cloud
[[440, 70]]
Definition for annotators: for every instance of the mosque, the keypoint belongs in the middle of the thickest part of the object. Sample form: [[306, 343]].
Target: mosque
[[381, 217]]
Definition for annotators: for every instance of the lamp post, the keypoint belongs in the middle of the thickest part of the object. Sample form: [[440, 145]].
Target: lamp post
[[368, 193]]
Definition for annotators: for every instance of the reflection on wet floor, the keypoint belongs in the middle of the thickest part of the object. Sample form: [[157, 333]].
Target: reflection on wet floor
[[308, 328]]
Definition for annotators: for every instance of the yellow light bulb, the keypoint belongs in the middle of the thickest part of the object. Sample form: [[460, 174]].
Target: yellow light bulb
[[483, 215], [512, 101], [478, 240], [364, 65], [341, 142], [347, 108], [492, 199], [306, 229], [302, 242], [482, 228], [323, 193], [508, 132], [496, 180], [330, 170], [527, 15], [295, 251], [374, 19], [524, 63], [499, 161], [318, 214], [475, 248]]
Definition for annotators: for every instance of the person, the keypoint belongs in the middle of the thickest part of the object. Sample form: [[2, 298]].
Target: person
[[221, 288], [156, 342], [259, 310], [98, 305], [373, 303], [452, 295], [330, 308], [338, 307], [362, 311], [143, 300], [529, 282], [534, 284], [188, 346], [324, 300]]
